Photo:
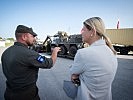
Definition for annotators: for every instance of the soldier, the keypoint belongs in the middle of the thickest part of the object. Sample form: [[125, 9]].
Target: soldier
[[21, 65]]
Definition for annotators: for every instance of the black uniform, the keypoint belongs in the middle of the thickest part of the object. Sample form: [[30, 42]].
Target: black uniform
[[20, 66]]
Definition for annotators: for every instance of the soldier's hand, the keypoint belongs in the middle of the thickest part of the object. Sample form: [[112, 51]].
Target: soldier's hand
[[56, 49]]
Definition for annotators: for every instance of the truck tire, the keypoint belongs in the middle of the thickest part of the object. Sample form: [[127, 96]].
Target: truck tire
[[48, 48], [38, 49], [117, 48], [52, 47], [123, 51], [63, 50], [72, 51]]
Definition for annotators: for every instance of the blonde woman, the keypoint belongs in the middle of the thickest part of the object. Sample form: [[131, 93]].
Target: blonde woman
[[95, 65]]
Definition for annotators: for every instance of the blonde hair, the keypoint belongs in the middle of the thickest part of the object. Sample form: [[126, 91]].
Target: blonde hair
[[97, 24]]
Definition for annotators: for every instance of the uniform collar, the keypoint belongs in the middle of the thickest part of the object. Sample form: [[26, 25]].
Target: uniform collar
[[98, 42], [20, 44]]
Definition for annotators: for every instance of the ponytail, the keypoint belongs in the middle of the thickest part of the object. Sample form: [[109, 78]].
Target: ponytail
[[109, 44]]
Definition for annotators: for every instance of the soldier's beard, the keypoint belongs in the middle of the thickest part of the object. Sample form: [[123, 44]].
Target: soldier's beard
[[30, 43]]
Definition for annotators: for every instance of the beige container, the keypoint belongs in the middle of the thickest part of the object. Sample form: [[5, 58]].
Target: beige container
[[121, 36]]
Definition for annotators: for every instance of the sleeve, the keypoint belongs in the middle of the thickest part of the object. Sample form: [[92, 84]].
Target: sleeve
[[39, 61], [77, 66]]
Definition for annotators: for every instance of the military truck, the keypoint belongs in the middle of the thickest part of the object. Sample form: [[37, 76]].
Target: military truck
[[122, 39], [69, 44]]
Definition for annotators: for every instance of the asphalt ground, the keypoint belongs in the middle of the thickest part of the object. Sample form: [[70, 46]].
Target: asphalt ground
[[50, 81]]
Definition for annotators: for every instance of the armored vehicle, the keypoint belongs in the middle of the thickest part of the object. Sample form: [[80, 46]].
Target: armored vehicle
[[68, 44]]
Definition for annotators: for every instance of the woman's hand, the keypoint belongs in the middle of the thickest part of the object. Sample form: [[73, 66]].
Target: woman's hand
[[75, 79]]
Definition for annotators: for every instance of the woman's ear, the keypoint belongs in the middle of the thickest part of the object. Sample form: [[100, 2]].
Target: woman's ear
[[93, 32]]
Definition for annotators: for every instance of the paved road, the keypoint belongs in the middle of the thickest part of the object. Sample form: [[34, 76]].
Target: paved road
[[123, 84], [50, 81]]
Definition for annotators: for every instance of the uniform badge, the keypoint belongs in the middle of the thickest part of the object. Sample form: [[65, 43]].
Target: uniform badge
[[40, 59]]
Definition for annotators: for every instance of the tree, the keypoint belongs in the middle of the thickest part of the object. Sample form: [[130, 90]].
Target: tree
[[12, 39]]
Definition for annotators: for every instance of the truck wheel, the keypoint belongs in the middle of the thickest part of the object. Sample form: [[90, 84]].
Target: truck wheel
[[47, 48], [38, 50], [63, 50], [123, 51], [52, 47], [72, 51], [117, 48]]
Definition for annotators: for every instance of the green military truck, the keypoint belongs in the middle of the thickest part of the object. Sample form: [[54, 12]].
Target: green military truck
[[68, 44]]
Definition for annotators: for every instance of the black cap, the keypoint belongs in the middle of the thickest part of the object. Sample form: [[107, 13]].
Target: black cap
[[25, 29]]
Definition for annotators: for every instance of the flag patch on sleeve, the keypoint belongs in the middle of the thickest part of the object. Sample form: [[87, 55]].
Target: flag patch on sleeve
[[40, 59]]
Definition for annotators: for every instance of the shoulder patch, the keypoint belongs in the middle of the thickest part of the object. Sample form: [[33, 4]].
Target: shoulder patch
[[40, 59]]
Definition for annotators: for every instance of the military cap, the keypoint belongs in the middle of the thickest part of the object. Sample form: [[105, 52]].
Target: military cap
[[25, 29]]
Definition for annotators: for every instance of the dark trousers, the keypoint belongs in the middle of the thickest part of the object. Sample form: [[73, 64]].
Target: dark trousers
[[28, 94]]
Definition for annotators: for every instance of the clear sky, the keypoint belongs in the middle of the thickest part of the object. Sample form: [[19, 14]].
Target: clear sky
[[47, 17]]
